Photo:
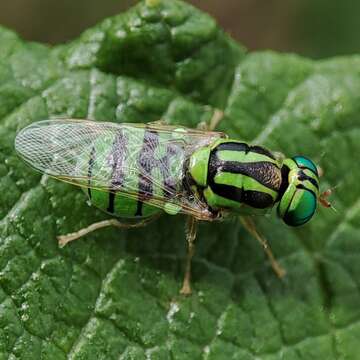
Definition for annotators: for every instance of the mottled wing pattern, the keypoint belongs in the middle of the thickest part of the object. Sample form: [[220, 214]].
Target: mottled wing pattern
[[139, 161]]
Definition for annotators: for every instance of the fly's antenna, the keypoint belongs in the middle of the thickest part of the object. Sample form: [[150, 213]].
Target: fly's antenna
[[323, 197]]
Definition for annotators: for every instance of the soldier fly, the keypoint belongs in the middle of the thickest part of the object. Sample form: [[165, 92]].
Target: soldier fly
[[138, 171]]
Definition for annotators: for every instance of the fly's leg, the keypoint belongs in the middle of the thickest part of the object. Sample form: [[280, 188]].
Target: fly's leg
[[216, 118], [64, 239], [191, 226], [250, 227], [214, 122], [323, 199]]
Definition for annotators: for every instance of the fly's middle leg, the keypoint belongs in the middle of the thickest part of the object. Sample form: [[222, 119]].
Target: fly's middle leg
[[250, 227], [64, 239], [191, 227]]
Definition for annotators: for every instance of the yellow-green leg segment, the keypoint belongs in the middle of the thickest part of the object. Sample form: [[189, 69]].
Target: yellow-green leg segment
[[191, 226], [64, 239], [250, 227]]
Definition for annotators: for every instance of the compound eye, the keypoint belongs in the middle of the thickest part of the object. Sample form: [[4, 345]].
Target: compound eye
[[304, 162], [301, 209]]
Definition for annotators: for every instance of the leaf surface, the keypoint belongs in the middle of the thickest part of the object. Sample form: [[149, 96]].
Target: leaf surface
[[114, 294]]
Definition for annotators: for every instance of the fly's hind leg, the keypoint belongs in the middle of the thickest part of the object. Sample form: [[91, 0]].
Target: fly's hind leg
[[214, 122], [64, 239], [250, 227], [191, 227]]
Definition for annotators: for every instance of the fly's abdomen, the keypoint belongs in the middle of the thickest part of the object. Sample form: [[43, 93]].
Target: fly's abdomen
[[231, 174], [140, 165]]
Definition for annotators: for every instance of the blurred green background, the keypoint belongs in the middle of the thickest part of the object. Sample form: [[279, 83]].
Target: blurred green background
[[315, 28]]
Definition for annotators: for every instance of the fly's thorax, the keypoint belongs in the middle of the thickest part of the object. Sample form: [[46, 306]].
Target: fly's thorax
[[299, 191], [229, 174]]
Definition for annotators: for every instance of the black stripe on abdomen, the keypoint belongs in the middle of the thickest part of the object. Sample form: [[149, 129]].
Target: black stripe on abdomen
[[148, 161], [111, 206], [139, 208], [117, 160], [90, 168]]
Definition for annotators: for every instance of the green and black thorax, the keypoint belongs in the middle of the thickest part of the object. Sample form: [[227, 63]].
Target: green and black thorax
[[233, 176]]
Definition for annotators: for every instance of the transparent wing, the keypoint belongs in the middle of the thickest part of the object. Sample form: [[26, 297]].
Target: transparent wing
[[143, 162]]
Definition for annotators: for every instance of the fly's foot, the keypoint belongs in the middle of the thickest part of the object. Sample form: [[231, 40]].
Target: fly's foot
[[191, 226], [186, 288]]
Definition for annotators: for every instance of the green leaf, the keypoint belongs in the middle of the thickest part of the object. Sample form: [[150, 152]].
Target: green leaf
[[114, 294]]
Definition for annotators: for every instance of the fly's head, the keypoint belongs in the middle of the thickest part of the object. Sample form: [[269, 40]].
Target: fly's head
[[299, 193]]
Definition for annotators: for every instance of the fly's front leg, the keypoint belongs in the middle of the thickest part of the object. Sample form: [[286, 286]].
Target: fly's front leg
[[214, 122], [64, 239], [250, 227], [191, 227]]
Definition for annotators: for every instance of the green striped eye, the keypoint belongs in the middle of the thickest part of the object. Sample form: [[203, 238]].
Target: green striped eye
[[304, 162], [301, 190], [301, 209]]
